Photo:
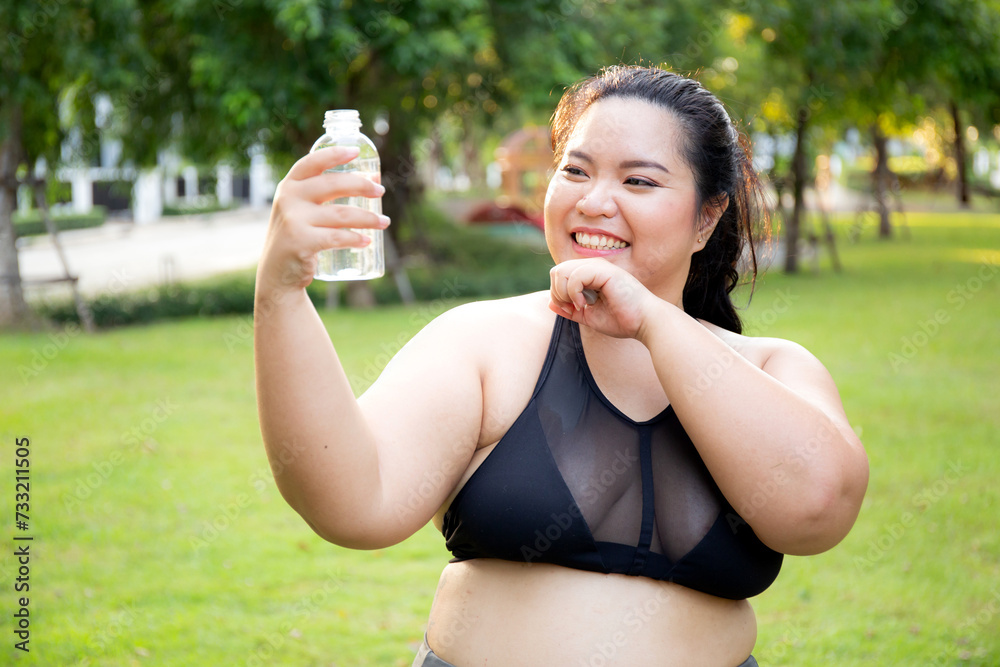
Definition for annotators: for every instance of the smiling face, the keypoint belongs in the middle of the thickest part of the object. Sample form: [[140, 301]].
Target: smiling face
[[623, 191]]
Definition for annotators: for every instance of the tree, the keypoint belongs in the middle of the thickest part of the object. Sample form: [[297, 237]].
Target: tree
[[947, 52], [50, 51], [823, 51]]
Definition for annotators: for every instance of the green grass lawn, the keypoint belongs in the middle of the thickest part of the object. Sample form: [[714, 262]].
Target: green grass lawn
[[160, 538]]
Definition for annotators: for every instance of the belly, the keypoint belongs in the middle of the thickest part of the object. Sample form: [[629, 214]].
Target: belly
[[493, 612]]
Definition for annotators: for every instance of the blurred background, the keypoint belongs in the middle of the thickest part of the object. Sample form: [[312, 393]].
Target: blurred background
[[123, 114], [140, 145]]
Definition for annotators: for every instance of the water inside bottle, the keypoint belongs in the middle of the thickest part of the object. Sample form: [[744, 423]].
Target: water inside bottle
[[356, 263]]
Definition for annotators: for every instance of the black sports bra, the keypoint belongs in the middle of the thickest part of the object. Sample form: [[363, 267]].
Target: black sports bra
[[575, 482]]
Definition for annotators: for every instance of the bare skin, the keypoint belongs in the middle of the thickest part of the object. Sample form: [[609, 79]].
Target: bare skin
[[370, 472]]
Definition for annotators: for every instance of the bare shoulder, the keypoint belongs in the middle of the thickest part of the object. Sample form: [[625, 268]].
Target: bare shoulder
[[492, 323], [788, 362], [500, 343], [516, 310], [765, 352]]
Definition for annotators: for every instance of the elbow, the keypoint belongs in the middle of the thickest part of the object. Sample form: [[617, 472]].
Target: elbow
[[347, 539], [824, 518], [358, 532]]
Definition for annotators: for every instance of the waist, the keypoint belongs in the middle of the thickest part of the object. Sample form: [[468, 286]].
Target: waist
[[528, 614]]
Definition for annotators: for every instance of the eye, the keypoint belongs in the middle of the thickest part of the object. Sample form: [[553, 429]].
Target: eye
[[573, 171], [633, 180]]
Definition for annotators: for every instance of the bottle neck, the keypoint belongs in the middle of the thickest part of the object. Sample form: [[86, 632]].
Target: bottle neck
[[342, 119]]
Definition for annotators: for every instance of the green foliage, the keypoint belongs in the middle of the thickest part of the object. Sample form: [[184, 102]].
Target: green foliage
[[31, 223], [203, 205]]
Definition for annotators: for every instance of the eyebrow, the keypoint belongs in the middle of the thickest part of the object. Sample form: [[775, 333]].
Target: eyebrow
[[625, 164]]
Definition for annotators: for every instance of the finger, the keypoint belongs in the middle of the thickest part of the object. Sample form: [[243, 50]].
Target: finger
[[343, 216], [578, 281], [565, 311], [328, 186], [321, 160], [343, 238], [333, 239], [558, 282]]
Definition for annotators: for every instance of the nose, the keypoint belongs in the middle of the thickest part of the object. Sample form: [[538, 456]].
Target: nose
[[597, 202]]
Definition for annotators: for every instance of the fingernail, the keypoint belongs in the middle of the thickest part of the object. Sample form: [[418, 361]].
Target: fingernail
[[381, 188], [383, 221]]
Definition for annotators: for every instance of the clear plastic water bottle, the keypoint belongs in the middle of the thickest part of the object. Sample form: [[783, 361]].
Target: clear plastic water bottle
[[343, 128]]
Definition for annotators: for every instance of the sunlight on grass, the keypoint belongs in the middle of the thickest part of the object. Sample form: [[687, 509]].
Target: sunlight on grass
[[160, 538]]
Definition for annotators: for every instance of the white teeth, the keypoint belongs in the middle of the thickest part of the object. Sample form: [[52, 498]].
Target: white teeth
[[598, 241]]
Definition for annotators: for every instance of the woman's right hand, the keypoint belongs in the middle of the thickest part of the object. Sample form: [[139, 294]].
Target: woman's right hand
[[302, 224]]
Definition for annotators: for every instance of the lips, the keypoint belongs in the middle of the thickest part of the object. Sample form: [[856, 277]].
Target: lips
[[598, 241]]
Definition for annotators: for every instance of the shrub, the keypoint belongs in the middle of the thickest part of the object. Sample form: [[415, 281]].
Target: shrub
[[31, 224]]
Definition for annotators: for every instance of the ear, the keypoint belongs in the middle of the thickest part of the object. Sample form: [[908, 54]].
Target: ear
[[711, 213]]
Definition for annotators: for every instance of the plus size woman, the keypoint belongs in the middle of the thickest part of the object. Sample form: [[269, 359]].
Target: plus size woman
[[615, 468]]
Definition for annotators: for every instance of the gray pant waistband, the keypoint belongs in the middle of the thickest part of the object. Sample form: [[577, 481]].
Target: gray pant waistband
[[427, 658]]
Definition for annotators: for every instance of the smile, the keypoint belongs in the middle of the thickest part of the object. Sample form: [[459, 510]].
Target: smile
[[598, 241]]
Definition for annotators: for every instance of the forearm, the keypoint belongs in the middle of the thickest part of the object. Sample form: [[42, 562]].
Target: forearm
[[786, 465], [319, 445]]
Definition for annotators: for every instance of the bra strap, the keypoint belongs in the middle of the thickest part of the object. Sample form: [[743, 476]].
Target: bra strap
[[646, 530]]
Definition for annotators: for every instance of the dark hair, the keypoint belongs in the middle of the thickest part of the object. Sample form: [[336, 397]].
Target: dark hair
[[719, 158]]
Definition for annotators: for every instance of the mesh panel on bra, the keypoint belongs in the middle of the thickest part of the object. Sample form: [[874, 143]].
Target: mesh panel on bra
[[598, 452]]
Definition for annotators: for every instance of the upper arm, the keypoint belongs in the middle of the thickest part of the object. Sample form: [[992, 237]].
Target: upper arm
[[799, 370], [834, 442], [425, 413]]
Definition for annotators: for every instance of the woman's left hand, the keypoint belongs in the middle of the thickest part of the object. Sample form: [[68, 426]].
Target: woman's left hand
[[622, 302]]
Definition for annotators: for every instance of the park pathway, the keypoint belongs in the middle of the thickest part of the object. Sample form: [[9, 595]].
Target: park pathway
[[120, 256]]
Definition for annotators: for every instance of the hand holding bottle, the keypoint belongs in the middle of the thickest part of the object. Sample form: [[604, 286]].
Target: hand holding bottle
[[303, 223]]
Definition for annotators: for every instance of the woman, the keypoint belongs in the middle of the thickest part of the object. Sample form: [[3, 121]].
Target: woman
[[615, 468]]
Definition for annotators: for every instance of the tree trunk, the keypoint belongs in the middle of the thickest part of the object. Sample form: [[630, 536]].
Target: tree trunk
[[471, 158], [963, 177], [880, 182], [42, 204], [798, 193], [13, 308], [399, 176]]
